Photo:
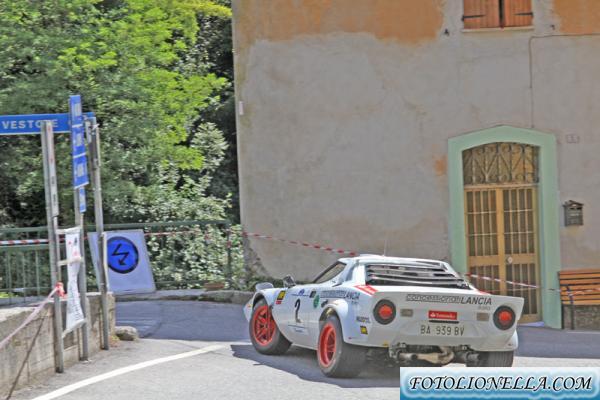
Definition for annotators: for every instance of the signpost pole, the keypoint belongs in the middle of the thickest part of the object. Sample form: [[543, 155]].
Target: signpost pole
[[94, 142], [80, 179], [50, 186]]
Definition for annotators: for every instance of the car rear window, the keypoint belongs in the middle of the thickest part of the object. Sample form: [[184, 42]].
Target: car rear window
[[428, 274]]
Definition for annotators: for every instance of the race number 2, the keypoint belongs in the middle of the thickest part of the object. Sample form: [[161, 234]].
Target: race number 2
[[297, 306]]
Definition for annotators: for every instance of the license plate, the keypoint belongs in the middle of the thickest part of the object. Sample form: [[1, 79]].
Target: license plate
[[442, 330]]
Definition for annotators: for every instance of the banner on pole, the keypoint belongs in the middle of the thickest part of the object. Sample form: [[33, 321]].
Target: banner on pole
[[75, 317]]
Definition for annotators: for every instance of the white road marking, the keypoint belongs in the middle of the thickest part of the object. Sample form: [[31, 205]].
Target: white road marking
[[135, 367]]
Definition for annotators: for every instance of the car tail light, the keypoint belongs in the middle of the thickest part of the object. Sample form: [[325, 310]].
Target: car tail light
[[384, 312], [504, 318]]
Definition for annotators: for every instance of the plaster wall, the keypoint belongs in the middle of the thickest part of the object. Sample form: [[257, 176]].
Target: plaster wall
[[343, 126]]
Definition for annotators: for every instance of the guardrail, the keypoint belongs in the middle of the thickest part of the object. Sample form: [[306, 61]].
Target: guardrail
[[183, 254]]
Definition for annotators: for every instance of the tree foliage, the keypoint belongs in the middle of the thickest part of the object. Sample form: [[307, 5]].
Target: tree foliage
[[142, 67]]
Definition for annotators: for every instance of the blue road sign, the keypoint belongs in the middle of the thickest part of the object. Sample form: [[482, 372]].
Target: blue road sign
[[31, 124], [77, 131], [82, 203], [122, 255], [80, 172]]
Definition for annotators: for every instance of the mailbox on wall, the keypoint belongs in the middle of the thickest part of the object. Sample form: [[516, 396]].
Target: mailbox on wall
[[573, 213]]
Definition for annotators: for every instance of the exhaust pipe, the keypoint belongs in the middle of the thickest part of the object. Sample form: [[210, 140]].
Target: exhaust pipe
[[433, 358]]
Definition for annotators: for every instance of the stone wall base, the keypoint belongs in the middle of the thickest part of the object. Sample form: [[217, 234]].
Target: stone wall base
[[586, 317]]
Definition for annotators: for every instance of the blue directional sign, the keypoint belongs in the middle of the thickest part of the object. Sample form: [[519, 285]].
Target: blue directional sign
[[77, 131], [80, 172], [31, 124], [122, 255]]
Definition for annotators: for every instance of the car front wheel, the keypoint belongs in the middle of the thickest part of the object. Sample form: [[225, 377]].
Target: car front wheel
[[264, 333], [338, 359]]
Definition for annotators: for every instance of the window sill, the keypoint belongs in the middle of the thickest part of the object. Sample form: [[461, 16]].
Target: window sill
[[508, 28]]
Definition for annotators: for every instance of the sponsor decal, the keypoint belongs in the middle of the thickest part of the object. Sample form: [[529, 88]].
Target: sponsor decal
[[301, 293], [370, 290], [353, 296], [280, 297], [333, 294], [364, 320], [435, 298], [313, 293], [447, 315], [299, 329], [323, 303], [340, 294], [363, 330], [316, 301]]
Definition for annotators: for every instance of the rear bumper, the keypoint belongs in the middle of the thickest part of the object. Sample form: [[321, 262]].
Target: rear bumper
[[479, 336]]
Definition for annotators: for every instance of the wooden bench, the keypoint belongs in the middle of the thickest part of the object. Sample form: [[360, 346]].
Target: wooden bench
[[579, 287]]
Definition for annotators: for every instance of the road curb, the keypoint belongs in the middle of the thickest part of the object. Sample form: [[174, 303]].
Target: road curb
[[226, 296], [217, 296], [186, 294]]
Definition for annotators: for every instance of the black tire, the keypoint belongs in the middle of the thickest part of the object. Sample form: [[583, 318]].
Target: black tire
[[346, 360], [494, 359], [275, 343]]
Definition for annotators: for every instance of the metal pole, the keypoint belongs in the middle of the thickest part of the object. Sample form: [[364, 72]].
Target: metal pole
[[228, 246], [94, 142], [51, 190]]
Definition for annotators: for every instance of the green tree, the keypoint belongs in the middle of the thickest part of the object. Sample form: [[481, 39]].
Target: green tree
[[130, 60]]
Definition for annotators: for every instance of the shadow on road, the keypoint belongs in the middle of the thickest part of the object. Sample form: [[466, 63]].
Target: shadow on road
[[193, 320], [303, 363]]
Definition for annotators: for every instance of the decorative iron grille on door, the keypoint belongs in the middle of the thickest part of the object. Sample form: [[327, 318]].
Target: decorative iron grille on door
[[501, 219]]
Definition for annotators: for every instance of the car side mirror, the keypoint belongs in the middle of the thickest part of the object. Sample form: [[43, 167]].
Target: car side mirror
[[289, 282]]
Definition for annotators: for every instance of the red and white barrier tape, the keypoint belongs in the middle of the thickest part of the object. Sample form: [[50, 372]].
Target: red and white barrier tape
[[529, 286], [57, 289], [207, 238], [303, 244], [22, 242], [354, 253]]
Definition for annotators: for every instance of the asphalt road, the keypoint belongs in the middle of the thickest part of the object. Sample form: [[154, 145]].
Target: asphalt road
[[219, 362]]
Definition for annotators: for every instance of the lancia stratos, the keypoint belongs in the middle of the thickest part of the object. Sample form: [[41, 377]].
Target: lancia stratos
[[413, 312]]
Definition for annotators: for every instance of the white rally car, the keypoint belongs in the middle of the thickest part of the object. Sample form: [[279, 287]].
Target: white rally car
[[417, 312]]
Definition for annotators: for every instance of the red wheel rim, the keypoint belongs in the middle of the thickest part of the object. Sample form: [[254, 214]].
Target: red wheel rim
[[327, 345], [263, 325]]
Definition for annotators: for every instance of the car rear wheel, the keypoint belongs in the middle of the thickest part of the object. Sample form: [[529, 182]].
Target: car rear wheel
[[336, 358], [494, 359], [264, 333]]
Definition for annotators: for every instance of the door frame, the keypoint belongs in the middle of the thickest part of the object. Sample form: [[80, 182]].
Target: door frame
[[548, 207]]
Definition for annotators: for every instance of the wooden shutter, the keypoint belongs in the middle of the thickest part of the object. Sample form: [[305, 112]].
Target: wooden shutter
[[481, 14], [518, 13]]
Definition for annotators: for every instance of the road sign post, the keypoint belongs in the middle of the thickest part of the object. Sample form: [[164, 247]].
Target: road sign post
[[93, 137], [80, 179], [52, 209]]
